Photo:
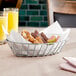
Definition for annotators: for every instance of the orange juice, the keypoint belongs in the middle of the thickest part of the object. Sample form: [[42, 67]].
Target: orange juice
[[4, 22], [12, 18], [12, 21]]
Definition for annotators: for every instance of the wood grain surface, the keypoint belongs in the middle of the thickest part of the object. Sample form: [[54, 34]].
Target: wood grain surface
[[63, 6]]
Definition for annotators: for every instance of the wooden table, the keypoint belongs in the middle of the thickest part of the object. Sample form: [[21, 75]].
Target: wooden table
[[11, 65]]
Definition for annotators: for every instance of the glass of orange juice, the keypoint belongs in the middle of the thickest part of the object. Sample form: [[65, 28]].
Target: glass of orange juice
[[3, 22], [12, 18]]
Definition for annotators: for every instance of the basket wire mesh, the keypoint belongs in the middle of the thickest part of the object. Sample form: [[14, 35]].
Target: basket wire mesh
[[26, 49]]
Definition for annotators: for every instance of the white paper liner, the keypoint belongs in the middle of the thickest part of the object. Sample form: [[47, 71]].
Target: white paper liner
[[54, 29]]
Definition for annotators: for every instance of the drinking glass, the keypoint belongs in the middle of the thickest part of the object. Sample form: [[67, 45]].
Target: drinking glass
[[12, 18], [3, 22]]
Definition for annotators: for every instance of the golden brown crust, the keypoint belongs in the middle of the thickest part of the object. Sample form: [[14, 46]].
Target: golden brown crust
[[39, 39], [32, 37], [24, 35], [36, 41], [29, 37]]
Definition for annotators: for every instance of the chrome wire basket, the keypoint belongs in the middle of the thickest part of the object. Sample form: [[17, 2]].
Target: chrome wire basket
[[29, 49]]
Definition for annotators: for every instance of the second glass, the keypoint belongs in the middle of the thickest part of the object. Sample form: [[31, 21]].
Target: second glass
[[12, 18], [3, 22]]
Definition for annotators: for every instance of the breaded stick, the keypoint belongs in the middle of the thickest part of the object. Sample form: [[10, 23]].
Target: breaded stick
[[29, 37], [36, 41], [36, 32], [24, 35], [44, 36], [39, 39], [43, 40], [34, 35]]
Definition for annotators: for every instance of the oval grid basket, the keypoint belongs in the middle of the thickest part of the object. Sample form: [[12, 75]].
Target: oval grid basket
[[33, 50]]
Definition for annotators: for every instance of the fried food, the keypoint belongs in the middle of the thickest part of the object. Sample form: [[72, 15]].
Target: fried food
[[34, 35], [39, 39], [44, 36], [36, 41], [36, 32], [44, 41], [29, 37], [24, 34]]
